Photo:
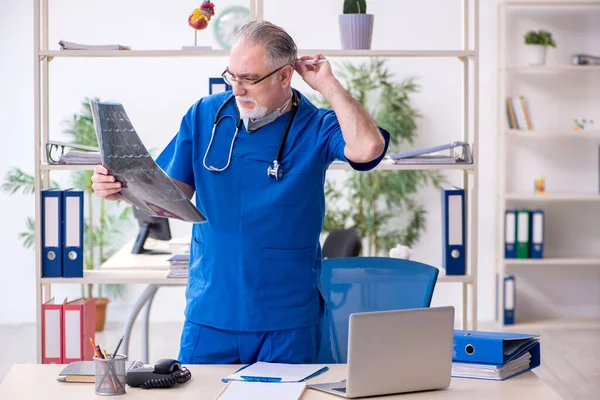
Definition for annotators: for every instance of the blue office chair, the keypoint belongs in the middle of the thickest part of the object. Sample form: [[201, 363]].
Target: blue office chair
[[364, 284]]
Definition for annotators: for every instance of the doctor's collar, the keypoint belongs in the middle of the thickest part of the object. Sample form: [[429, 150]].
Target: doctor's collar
[[252, 124]]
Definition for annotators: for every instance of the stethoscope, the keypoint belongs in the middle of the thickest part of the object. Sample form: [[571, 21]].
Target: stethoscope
[[273, 171]]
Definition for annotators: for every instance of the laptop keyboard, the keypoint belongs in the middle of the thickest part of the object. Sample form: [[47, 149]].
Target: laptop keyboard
[[340, 389]]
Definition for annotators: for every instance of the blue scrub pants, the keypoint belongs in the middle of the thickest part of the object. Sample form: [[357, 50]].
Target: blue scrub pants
[[201, 344]]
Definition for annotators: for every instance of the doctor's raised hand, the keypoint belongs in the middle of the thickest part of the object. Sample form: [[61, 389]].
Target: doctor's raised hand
[[363, 139], [316, 72]]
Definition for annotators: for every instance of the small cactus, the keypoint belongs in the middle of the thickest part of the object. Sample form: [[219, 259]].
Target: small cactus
[[355, 6]]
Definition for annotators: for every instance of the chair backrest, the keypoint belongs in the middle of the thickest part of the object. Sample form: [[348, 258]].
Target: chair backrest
[[364, 284], [342, 243]]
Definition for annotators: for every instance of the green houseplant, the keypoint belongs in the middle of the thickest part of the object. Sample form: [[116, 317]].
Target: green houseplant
[[381, 205], [104, 224], [537, 45], [356, 26]]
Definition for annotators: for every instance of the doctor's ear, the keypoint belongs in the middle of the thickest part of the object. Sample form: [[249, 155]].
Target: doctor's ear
[[286, 74]]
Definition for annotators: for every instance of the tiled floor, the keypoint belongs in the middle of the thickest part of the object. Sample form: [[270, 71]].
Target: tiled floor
[[570, 352]]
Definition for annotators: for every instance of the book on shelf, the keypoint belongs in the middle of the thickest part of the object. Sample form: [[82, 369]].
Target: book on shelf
[[517, 114]]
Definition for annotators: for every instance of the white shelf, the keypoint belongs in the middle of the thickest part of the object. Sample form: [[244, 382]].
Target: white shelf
[[554, 197], [159, 277], [225, 53], [582, 134], [124, 277], [551, 3], [567, 261], [334, 166], [67, 167], [552, 68], [399, 167]]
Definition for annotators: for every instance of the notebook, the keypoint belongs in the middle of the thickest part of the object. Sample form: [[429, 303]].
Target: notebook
[[236, 390], [84, 371], [276, 372]]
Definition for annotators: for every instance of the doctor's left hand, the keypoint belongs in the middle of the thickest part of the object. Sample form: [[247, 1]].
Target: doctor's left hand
[[317, 76]]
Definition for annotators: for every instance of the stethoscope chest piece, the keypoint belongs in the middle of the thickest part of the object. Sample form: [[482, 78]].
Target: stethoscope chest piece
[[275, 171]]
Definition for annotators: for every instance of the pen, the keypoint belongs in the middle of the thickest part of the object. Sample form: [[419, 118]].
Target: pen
[[117, 349], [312, 62], [260, 379]]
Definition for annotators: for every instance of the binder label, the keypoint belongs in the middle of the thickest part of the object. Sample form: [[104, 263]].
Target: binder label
[[523, 227], [72, 333], [72, 219], [509, 298], [51, 221], [538, 227], [455, 219], [510, 229]]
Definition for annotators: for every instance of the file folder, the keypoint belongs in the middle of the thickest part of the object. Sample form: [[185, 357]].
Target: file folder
[[536, 249], [453, 230], [79, 324], [218, 85], [73, 234], [510, 232], [493, 348], [510, 298], [52, 240], [52, 339], [523, 234]]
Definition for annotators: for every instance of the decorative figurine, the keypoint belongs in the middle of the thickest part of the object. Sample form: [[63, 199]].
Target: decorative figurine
[[200, 17], [540, 187]]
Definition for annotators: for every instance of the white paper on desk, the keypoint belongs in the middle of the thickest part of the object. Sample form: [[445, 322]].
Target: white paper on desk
[[263, 391], [285, 372]]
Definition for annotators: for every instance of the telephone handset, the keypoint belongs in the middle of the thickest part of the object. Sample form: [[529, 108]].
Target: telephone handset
[[164, 374]]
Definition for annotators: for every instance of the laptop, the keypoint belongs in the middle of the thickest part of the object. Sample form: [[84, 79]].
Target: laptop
[[397, 351]]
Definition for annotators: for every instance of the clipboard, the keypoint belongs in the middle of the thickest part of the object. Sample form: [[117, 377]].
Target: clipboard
[[458, 153]]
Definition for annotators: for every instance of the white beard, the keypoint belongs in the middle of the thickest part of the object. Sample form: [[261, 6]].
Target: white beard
[[257, 112]]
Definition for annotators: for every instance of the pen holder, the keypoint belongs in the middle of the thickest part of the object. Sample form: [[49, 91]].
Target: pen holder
[[110, 375]]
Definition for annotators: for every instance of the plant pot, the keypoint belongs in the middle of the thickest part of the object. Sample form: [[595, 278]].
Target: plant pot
[[356, 31], [101, 313], [536, 54]]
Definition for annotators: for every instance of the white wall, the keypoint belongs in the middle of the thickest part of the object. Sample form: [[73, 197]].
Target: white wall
[[157, 92]]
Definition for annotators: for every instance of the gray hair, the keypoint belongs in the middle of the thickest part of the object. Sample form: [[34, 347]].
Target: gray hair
[[280, 48]]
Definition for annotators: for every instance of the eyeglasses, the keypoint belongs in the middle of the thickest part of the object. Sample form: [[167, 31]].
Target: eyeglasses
[[230, 78]]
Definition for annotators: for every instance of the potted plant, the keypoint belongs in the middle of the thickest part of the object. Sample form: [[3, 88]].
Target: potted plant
[[538, 43], [356, 26], [382, 205], [102, 232]]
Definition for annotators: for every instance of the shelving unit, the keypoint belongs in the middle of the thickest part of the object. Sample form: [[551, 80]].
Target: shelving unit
[[508, 139], [467, 55]]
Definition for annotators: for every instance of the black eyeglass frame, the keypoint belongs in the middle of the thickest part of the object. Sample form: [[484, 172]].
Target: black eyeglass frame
[[250, 81]]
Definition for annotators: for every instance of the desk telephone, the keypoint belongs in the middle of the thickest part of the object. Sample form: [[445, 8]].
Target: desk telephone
[[164, 374]]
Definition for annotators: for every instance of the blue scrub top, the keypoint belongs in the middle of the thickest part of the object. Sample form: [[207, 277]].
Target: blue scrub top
[[255, 264]]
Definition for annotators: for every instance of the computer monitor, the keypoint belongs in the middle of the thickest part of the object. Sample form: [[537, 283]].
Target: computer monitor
[[154, 227]]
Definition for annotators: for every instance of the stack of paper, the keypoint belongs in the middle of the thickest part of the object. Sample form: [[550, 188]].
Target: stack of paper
[[263, 391], [80, 157], [64, 45], [488, 371], [276, 372], [179, 266]]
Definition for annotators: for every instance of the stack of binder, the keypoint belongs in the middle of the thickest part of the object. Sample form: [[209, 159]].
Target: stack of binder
[[524, 234], [62, 233], [493, 355], [67, 329]]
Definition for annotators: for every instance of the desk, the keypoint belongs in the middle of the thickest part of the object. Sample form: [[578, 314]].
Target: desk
[[124, 261], [38, 381]]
